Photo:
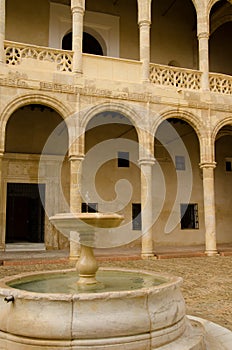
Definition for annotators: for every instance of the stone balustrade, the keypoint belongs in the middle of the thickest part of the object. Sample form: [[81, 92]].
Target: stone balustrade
[[162, 75], [16, 52], [220, 83], [174, 76]]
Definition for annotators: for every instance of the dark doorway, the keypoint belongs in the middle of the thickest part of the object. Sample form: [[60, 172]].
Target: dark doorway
[[25, 213], [90, 44]]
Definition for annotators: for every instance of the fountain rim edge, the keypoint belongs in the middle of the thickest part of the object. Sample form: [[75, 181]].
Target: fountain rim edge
[[172, 281]]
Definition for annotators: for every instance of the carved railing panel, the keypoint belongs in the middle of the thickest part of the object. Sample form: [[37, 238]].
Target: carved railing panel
[[162, 75], [178, 77], [220, 83], [15, 53]]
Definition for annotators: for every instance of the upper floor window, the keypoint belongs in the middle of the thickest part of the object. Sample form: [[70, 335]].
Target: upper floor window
[[90, 44], [101, 31]]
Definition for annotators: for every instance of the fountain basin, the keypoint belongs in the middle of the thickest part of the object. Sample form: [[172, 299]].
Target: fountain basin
[[82, 222], [144, 318]]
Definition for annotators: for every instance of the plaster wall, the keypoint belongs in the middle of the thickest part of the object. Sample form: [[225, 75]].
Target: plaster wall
[[173, 33], [223, 191], [169, 191], [220, 49], [27, 21]]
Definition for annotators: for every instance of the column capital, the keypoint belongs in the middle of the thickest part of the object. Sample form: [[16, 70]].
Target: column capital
[[203, 35], [144, 23], [77, 5], [144, 11], [76, 157], [147, 161], [208, 165]]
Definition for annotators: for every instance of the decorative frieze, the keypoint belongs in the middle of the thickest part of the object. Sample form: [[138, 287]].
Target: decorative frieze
[[57, 87], [15, 79]]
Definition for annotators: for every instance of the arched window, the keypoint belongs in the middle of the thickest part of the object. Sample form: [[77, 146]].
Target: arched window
[[90, 44]]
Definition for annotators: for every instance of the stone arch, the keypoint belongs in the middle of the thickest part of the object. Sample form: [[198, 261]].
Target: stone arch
[[210, 4], [121, 108], [219, 125], [221, 21], [194, 121], [63, 110], [213, 2], [190, 118], [195, 3]]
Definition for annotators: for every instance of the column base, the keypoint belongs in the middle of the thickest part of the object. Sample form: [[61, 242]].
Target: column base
[[2, 247], [74, 257], [148, 256], [211, 253]]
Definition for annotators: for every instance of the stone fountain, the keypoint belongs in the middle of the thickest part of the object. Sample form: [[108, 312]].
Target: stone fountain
[[110, 309]]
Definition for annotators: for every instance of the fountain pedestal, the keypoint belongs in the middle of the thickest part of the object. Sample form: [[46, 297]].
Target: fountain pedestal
[[86, 224], [87, 267]]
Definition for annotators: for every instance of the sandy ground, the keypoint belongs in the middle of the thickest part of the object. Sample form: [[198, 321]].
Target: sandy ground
[[207, 282]]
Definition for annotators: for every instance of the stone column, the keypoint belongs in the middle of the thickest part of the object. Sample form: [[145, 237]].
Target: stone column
[[144, 21], [209, 208], [146, 165], [78, 9], [2, 31], [75, 200], [203, 40]]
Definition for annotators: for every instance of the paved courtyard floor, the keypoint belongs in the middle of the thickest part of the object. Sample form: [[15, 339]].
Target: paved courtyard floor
[[207, 281]]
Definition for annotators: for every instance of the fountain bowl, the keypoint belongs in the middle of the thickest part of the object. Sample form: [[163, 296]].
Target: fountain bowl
[[84, 221], [146, 318]]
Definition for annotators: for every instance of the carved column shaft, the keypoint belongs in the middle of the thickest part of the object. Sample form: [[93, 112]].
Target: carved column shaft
[[146, 205], [209, 208], [75, 183], [75, 200], [78, 8], [144, 21], [2, 30], [203, 39]]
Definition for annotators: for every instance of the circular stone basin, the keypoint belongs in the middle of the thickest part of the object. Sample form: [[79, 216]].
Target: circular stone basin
[[137, 310], [78, 221], [66, 282]]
